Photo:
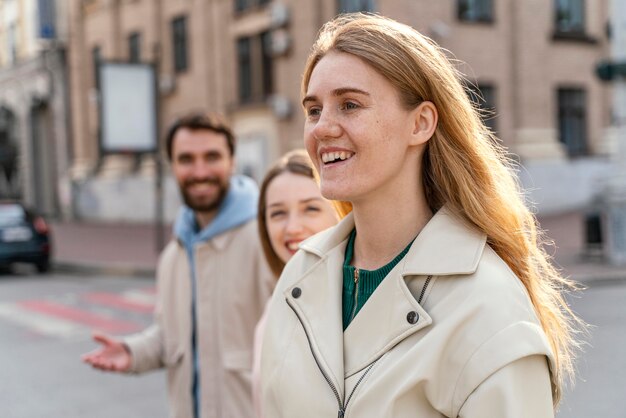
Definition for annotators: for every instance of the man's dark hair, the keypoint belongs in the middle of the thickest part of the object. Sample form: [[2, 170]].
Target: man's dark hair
[[200, 121]]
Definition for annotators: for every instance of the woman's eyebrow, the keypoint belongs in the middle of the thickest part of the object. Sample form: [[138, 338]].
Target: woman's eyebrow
[[337, 92]]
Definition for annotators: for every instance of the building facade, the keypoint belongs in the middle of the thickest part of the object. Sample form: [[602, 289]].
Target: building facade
[[34, 134], [531, 63]]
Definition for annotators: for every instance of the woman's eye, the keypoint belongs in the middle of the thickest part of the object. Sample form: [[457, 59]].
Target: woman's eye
[[350, 106], [312, 209], [277, 214], [313, 111]]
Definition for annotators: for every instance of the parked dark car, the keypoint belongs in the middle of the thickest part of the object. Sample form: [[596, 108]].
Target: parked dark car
[[24, 237]]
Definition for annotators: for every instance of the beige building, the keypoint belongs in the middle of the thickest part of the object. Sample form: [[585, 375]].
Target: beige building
[[34, 135], [532, 60]]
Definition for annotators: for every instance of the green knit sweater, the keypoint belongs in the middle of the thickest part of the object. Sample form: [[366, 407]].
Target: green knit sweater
[[359, 284]]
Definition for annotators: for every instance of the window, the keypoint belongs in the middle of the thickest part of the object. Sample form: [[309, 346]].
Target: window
[[134, 47], [572, 120], [241, 5], [255, 67], [570, 16], [475, 10], [179, 43], [350, 6], [484, 96]]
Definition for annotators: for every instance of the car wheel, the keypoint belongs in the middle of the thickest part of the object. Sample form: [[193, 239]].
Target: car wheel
[[43, 266]]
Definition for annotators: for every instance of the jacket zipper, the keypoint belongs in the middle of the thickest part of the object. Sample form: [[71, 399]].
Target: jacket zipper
[[356, 293], [319, 366], [341, 413]]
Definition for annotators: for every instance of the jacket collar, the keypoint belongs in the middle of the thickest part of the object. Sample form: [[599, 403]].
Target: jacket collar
[[219, 242], [445, 246]]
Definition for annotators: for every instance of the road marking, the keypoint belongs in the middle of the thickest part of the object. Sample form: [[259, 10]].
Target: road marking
[[117, 301], [100, 322], [145, 296], [40, 323]]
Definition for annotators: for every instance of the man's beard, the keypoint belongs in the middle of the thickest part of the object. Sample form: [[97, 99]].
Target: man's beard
[[206, 206]]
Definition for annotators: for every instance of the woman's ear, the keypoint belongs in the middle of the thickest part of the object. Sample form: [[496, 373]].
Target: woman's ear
[[425, 119]]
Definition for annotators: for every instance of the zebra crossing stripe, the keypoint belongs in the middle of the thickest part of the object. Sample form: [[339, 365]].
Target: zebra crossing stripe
[[92, 320], [119, 302], [40, 323]]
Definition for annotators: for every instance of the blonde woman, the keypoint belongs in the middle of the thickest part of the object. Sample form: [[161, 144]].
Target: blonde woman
[[433, 297]]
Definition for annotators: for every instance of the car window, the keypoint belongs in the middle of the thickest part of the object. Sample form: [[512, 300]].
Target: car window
[[11, 214]]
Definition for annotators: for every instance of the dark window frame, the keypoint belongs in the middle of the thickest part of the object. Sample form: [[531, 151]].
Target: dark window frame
[[134, 47], [255, 68], [242, 6], [571, 114], [346, 6], [568, 25], [485, 96], [475, 11], [180, 43], [564, 31]]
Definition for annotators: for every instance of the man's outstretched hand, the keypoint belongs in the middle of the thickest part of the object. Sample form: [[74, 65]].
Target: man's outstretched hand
[[112, 356]]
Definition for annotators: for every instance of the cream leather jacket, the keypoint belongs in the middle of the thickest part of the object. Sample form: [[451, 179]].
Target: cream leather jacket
[[450, 332], [233, 285]]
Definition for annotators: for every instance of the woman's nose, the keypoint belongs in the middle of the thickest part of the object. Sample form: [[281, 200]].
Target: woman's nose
[[327, 126], [294, 224]]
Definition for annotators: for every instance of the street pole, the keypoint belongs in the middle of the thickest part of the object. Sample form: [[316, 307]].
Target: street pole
[[615, 191], [158, 173]]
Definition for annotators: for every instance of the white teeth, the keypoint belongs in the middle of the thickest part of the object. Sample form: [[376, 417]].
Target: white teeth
[[293, 246], [333, 156]]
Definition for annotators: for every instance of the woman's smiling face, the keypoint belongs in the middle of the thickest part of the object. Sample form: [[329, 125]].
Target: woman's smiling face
[[295, 210], [357, 132]]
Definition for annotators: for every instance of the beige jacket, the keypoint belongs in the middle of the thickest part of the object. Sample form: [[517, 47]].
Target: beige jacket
[[234, 284], [472, 347]]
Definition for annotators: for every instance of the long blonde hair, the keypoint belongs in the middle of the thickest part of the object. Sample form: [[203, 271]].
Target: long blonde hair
[[464, 166]]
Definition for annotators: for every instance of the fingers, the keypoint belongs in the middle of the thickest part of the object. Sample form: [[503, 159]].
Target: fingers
[[102, 362], [103, 339]]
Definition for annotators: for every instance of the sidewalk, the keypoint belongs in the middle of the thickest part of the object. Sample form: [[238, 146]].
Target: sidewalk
[[116, 249], [567, 232], [130, 249]]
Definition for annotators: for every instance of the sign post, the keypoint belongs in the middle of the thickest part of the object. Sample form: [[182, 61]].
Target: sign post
[[129, 120]]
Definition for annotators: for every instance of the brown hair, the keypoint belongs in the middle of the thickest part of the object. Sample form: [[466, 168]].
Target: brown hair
[[464, 166], [200, 121]]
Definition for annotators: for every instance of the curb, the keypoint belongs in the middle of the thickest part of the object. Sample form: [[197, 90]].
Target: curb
[[111, 269]]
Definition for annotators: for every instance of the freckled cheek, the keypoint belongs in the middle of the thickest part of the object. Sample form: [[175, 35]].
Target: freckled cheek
[[311, 147]]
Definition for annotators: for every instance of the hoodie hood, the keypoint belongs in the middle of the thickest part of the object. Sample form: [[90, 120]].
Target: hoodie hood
[[239, 206]]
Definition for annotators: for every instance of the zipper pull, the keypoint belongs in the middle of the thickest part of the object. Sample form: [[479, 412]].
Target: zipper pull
[[341, 413]]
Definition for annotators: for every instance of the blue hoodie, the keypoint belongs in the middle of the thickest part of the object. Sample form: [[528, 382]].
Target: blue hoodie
[[239, 206]]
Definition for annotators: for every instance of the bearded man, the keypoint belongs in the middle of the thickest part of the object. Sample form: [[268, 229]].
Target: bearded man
[[212, 282]]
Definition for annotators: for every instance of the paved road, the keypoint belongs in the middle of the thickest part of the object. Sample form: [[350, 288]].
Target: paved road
[[600, 390], [45, 324]]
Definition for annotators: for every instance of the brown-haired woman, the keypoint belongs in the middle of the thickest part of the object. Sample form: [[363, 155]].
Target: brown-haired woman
[[291, 209], [434, 297]]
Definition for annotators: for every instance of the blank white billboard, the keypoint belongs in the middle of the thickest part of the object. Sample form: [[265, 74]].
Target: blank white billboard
[[128, 107]]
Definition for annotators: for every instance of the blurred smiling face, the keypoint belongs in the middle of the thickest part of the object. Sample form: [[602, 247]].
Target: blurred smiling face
[[202, 165], [295, 211]]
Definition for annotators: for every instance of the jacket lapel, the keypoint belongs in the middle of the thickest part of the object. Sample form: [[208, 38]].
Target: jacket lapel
[[390, 315], [445, 246], [318, 306]]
